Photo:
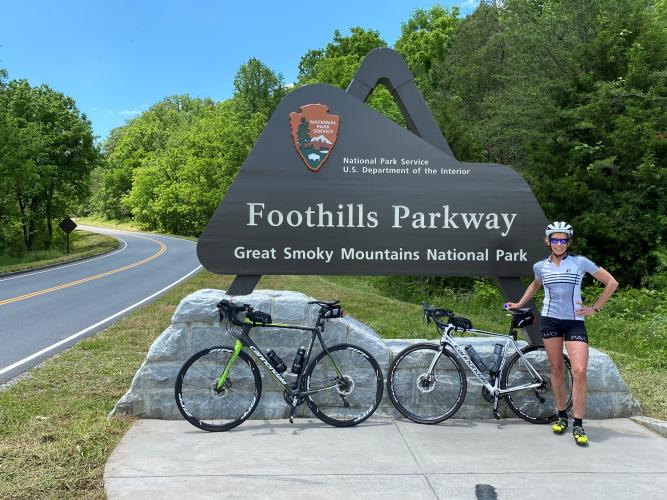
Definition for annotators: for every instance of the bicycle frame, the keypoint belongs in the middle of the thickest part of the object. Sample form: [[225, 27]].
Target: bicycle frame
[[243, 340], [448, 340]]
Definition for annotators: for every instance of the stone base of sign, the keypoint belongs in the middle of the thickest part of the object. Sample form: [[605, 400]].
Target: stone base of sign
[[657, 426], [195, 325]]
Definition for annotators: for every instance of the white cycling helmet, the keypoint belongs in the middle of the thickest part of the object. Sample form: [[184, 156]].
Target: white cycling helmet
[[559, 227]]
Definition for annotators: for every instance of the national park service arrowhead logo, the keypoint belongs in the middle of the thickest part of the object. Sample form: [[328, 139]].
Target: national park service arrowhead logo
[[314, 131]]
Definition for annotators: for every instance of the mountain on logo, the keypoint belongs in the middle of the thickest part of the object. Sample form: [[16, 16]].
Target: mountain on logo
[[321, 138]]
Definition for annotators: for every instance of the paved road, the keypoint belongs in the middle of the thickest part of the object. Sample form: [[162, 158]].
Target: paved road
[[42, 312], [387, 459]]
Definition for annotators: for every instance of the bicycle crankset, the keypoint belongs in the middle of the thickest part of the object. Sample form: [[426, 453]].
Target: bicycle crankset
[[488, 395], [289, 398]]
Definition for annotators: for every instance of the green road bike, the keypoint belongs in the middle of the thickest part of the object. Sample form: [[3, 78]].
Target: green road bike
[[219, 387], [427, 381]]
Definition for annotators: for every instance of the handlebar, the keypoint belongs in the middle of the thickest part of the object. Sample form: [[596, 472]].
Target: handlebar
[[435, 313], [330, 309], [521, 317], [230, 311]]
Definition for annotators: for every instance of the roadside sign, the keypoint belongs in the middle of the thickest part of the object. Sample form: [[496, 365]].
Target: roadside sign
[[67, 225]]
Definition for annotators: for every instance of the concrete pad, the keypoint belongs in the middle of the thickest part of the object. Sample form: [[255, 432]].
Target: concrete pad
[[322, 487], [256, 447], [383, 458], [515, 446], [549, 486]]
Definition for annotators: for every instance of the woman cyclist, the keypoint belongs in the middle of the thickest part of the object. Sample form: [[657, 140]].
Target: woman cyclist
[[563, 314]]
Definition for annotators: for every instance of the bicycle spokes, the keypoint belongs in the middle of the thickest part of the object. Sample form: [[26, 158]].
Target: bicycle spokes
[[344, 385]]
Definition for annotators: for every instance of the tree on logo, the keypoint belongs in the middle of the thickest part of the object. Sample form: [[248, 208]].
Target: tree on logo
[[302, 132]]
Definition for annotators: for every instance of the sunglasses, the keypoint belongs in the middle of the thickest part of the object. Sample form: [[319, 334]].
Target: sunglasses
[[562, 241]]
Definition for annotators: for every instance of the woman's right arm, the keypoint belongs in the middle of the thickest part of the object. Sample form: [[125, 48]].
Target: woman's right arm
[[528, 294]]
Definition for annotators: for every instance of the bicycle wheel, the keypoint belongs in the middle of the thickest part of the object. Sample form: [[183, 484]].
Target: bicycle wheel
[[534, 405], [210, 409], [348, 398], [422, 396]]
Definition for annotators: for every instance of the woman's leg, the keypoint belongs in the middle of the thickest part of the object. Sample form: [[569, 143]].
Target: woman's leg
[[554, 348], [578, 352]]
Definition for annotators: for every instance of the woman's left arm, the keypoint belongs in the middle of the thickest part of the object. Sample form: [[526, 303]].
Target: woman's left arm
[[610, 286]]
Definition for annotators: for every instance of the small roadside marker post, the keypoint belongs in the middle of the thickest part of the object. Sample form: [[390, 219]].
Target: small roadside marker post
[[67, 225]]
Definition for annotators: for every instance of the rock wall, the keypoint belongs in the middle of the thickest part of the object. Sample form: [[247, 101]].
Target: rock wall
[[195, 325]]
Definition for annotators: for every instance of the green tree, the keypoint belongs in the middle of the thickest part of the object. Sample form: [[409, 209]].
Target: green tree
[[178, 189], [425, 39], [338, 62], [425, 42], [572, 95], [257, 89], [47, 157], [134, 144], [303, 133], [603, 154]]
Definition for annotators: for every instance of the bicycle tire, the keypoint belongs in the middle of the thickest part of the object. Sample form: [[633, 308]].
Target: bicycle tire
[[358, 393], [205, 407], [526, 404], [415, 395]]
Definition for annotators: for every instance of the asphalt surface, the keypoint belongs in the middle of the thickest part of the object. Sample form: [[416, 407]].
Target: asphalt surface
[[387, 459], [45, 311]]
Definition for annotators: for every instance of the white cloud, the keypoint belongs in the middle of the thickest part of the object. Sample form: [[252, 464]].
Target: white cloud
[[127, 112]]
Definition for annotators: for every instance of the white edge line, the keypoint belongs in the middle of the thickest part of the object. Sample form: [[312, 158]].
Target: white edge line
[[82, 332], [58, 267]]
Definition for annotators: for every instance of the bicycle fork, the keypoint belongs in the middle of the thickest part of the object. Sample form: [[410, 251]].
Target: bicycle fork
[[220, 384]]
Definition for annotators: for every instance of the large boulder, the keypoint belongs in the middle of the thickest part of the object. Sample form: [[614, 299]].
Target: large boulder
[[195, 325]]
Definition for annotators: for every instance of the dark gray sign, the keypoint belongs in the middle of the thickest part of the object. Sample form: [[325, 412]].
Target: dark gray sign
[[67, 225], [384, 201]]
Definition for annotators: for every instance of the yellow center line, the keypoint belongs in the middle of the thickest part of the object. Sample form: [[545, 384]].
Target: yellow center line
[[163, 248]]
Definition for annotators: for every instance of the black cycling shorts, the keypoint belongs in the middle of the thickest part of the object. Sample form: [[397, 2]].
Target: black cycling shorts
[[570, 329]]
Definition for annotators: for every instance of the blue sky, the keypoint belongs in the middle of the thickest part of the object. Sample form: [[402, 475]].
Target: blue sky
[[118, 58]]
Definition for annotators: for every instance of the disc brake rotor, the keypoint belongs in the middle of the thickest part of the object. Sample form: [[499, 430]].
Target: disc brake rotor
[[345, 385], [425, 383]]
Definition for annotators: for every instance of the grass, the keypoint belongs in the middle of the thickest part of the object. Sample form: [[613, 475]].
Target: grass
[[109, 223], [125, 226], [83, 244], [54, 434]]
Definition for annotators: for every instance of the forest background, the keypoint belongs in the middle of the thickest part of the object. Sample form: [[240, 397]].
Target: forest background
[[573, 95]]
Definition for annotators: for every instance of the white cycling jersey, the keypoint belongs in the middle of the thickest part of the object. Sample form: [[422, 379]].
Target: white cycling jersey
[[562, 285]]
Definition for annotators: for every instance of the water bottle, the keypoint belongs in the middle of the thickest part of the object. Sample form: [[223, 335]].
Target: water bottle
[[497, 358], [474, 357], [275, 360], [297, 364]]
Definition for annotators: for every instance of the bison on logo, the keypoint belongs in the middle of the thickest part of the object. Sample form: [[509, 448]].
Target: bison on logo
[[314, 132]]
